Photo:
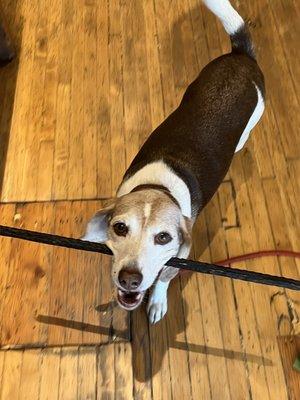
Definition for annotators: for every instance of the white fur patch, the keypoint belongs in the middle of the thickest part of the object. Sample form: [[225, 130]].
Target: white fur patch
[[158, 173], [255, 117], [230, 18]]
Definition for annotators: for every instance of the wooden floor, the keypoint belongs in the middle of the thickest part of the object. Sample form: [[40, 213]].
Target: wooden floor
[[91, 80]]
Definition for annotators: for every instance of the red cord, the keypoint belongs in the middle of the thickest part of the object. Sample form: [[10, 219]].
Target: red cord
[[257, 254], [263, 253]]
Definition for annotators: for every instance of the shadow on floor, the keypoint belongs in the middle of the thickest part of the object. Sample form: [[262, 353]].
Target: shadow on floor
[[83, 326], [12, 24], [148, 341], [151, 343]]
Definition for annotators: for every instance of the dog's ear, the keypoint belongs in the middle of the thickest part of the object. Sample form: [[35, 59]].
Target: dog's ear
[[96, 230], [185, 232]]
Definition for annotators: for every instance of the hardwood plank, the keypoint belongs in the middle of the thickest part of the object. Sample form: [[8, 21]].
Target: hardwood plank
[[188, 48], [59, 78], [165, 57], [228, 212], [141, 355], [199, 28], [160, 362], [194, 323], [87, 370], [68, 374], [76, 271], [90, 103], [50, 104], [106, 376], [59, 281], [30, 164], [103, 112], [97, 287], [195, 343], [50, 374], [123, 371], [116, 92], [143, 116], [10, 388], [178, 359], [77, 111], [176, 51], [2, 359], [130, 80], [62, 142], [154, 71], [285, 19], [65, 47], [29, 380], [7, 218]]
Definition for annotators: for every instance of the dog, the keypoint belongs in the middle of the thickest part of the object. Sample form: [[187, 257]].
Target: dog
[[178, 170]]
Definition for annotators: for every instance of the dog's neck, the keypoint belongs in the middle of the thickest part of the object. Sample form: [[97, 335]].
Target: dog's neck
[[159, 174]]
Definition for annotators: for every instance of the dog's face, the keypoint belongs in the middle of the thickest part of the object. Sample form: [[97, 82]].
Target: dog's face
[[144, 230]]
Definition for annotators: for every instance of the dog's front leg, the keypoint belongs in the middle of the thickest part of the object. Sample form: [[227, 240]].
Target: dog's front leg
[[158, 301]]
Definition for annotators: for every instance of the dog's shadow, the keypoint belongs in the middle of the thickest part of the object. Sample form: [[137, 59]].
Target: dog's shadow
[[150, 343], [12, 22]]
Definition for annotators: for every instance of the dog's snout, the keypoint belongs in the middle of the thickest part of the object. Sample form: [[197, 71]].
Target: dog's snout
[[130, 279]]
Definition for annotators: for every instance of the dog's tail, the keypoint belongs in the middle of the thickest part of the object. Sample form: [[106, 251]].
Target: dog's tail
[[234, 25]]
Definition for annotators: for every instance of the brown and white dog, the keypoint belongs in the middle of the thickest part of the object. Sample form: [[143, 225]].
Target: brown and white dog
[[178, 170]]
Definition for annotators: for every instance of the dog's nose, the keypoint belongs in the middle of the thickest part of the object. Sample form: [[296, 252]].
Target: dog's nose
[[130, 279]]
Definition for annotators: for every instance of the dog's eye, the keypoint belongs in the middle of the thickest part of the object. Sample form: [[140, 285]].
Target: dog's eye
[[120, 229], [162, 238]]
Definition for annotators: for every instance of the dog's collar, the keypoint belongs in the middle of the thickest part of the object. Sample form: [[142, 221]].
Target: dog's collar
[[162, 188]]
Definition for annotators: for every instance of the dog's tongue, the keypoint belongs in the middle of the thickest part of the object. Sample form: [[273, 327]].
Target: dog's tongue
[[129, 299]]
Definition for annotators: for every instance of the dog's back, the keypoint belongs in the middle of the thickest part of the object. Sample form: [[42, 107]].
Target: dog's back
[[214, 118]]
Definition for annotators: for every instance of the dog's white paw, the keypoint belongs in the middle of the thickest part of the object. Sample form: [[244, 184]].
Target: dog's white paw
[[158, 303], [156, 311]]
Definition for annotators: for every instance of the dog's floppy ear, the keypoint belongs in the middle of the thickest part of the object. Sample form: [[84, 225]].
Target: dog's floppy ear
[[96, 230], [186, 226]]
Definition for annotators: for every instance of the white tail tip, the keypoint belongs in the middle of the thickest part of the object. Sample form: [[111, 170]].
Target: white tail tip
[[229, 17]]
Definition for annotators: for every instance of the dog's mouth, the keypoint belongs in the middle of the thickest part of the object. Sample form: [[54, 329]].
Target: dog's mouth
[[129, 300]]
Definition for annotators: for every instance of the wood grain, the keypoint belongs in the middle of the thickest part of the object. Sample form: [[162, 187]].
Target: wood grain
[[52, 295]]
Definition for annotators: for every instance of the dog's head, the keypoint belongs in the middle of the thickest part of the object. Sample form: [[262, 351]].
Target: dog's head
[[144, 229]]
